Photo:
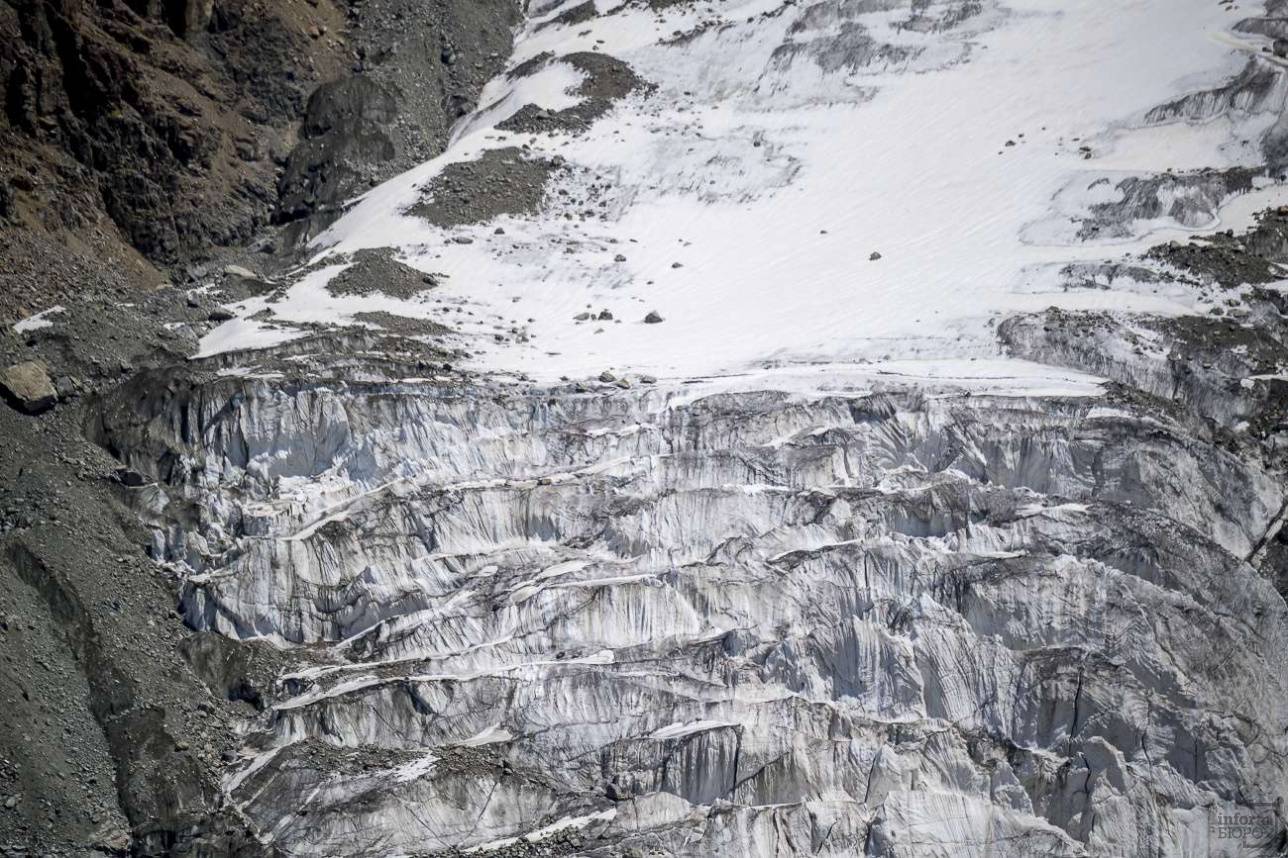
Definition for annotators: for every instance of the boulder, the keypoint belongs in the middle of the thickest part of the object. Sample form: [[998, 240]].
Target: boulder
[[27, 387], [241, 273]]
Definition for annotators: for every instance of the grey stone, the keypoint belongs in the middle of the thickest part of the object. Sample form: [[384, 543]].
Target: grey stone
[[240, 272], [27, 387]]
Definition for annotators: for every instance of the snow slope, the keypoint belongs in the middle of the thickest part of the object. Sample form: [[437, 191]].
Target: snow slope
[[784, 144]]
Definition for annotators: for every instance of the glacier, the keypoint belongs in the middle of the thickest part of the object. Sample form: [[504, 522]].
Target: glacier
[[914, 528], [881, 622]]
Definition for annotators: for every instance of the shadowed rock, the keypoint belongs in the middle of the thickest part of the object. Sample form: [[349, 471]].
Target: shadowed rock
[[26, 387]]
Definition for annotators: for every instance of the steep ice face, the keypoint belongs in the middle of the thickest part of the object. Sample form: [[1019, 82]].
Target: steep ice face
[[732, 623], [772, 148]]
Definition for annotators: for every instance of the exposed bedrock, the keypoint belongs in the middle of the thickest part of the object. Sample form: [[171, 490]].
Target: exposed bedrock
[[167, 134], [420, 68], [733, 624]]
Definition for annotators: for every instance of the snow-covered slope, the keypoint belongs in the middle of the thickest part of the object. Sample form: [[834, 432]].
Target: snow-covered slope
[[771, 149]]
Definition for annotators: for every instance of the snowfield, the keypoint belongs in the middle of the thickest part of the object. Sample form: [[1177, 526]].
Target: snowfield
[[783, 147]]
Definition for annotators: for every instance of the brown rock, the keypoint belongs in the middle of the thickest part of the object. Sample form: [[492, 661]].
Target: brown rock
[[26, 386]]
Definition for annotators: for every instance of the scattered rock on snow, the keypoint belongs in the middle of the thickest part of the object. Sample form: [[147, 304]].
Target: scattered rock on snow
[[377, 270], [653, 317]]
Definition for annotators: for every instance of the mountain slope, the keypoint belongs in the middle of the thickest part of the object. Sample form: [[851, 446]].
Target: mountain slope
[[766, 428], [932, 510]]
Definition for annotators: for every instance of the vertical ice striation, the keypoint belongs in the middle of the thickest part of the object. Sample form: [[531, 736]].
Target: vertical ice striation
[[886, 623]]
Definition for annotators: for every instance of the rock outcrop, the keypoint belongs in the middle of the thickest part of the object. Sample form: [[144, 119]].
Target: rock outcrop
[[166, 134]]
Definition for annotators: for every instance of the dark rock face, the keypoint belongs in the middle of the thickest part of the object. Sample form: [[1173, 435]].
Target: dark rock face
[[160, 128], [142, 135], [420, 67], [344, 127], [180, 127]]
